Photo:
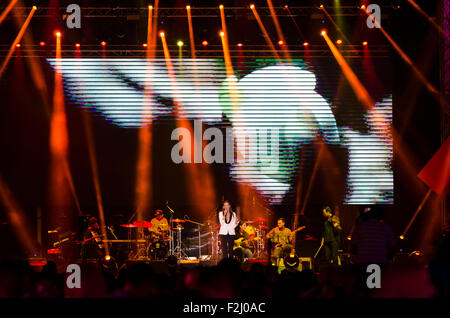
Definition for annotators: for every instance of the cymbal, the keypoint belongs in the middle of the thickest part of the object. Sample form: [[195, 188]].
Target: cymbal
[[260, 220], [128, 225], [142, 224], [178, 221]]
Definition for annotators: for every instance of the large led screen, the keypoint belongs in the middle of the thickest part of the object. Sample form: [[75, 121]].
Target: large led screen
[[279, 106]]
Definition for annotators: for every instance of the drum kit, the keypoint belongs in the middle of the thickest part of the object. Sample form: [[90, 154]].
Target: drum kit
[[154, 242], [256, 230]]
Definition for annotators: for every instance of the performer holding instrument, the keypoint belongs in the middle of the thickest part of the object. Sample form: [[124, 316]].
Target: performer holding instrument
[[331, 235], [228, 222], [244, 243], [160, 223], [281, 237]]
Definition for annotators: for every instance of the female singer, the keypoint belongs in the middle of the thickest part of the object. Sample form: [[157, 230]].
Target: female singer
[[228, 222]]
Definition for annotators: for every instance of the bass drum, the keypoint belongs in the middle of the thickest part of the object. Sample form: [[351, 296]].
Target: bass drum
[[157, 250]]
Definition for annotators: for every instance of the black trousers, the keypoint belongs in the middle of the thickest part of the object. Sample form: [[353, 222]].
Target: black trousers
[[331, 252], [227, 242]]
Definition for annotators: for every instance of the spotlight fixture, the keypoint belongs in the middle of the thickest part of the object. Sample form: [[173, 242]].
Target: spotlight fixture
[[364, 43], [103, 43], [323, 32], [252, 6], [188, 7], [305, 44], [42, 43], [339, 42], [144, 44], [180, 43], [205, 43], [321, 6], [77, 45], [162, 34], [280, 43], [240, 45], [363, 7], [58, 34], [402, 237], [221, 6], [107, 257], [150, 7], [18, 45], [286, 6], [222, 33], [34, 8]]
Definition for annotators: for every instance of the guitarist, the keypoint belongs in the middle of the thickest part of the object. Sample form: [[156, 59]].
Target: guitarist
[[281, 238], [243, 243]]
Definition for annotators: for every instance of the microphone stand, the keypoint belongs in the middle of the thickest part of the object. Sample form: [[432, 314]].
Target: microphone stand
[[186, 218], [171, 242]]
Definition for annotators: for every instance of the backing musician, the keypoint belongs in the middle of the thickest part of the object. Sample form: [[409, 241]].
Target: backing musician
[[243, 243], [282, 238], [331, 235], [160, 223], [92, 245]]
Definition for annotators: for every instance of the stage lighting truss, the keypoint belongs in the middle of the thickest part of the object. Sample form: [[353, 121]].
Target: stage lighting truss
[[201, 12], [215, 51]]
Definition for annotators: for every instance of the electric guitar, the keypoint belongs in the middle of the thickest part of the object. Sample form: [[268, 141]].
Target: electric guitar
[[293, 232]]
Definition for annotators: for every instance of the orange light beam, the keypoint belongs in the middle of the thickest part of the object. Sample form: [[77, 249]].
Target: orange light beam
[[266, 35], [34, 64], [59, 145], [94, 170], [224, 24], [192, 171], [7, 10], [419, 208], [430, 87], [17, 40], [191, 32], [149, 27], [153, 42], [335, 24], [295, 22], [426, 16], [285, 48], [143, 190], [313, 177], [361, 93], [17, 218]]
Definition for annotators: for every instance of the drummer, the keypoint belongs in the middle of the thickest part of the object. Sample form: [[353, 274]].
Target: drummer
[[159, 222]]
